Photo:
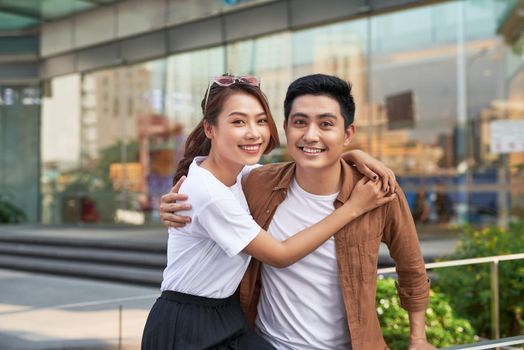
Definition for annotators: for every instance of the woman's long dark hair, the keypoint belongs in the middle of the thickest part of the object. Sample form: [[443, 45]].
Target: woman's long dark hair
[[197, 143]]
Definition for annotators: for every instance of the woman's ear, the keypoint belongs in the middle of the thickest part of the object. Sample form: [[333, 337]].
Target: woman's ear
[[209, 130]]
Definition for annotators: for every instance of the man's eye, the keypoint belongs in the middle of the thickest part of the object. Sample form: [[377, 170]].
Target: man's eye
[[326, 124], [299, 122]]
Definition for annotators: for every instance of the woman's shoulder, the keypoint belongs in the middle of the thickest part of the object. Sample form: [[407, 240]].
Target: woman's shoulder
[[202, 189]]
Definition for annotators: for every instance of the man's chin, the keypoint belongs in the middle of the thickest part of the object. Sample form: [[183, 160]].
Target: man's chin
[[315, 164], [308, 164]]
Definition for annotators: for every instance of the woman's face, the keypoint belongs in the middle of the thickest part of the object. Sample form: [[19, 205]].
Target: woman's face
[[241, 133]]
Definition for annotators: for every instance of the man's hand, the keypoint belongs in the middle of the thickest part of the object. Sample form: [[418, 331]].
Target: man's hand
[[172, 202], [372, 168], [420, 344]]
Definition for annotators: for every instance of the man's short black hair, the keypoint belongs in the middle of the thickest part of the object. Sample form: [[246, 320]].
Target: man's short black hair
[[326, 85]]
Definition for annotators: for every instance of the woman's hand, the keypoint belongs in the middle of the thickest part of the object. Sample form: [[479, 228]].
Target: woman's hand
[[172, 202], [368, 195], [372, 168]]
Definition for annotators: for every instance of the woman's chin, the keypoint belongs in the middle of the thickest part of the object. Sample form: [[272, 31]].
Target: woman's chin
[[252, 160]]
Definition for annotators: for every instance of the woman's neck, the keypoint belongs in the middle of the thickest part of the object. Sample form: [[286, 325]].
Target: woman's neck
[[226, 172]]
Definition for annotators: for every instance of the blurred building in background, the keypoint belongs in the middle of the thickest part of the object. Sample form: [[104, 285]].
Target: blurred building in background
[[97, 97]]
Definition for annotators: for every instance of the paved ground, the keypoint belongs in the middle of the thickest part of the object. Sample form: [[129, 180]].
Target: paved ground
[[48, 312]]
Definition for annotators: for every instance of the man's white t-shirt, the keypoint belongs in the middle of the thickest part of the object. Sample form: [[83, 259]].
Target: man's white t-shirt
[[301, 306], [205, 257]]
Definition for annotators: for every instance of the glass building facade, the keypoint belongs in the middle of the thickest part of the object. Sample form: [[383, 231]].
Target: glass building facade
[[19, 160], [429, 83]]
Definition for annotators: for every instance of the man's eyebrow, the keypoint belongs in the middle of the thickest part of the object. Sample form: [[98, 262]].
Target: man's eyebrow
[[327, 115], [299, 114], [323, 115]]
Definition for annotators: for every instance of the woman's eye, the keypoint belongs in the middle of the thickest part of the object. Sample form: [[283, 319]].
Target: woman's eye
[[262, 121], [238, 122]]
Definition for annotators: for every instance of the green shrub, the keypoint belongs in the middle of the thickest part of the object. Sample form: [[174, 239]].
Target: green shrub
[[442, 327], [469, 287], [10, 214]]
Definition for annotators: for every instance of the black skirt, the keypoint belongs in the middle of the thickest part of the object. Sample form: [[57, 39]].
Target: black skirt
[[181, 321]]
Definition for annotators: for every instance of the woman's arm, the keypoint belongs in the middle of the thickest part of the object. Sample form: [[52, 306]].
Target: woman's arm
[[371, 168], [366, 195]]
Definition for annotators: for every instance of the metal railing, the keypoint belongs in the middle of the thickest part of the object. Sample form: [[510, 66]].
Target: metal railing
[[494, 261], [489, 344]]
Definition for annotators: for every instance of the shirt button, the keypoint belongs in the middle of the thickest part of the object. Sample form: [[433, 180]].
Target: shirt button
[[285, 191], [267, 211]]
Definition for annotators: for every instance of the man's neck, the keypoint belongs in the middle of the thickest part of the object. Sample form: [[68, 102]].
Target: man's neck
[[319, 181]]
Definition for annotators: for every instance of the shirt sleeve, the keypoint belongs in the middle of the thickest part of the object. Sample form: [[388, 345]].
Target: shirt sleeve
[[402, 240], [228, 224]]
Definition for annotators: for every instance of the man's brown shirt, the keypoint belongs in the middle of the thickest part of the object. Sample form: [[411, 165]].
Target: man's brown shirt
[[357, 249]]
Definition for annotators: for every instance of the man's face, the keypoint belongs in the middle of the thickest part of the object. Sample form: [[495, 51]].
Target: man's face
[[315, 132]]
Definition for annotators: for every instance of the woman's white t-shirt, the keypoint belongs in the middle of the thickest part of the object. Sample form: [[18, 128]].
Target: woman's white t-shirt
[[205, 257]]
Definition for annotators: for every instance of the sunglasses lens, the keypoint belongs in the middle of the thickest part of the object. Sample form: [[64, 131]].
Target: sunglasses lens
[[225, 80], [249, 79]]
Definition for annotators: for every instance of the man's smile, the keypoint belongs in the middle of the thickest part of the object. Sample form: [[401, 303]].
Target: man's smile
[[311, 150]]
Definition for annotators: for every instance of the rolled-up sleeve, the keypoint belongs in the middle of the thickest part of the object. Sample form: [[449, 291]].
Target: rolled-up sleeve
[[400, 235], [414, 299]]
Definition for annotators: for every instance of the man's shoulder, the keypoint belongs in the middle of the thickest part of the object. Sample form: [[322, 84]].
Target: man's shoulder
[[263, 179], [272, 172], [392, 208], [274, 167]]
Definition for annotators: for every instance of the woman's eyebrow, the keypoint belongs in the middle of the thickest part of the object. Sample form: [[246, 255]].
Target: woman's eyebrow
[[242, 114]]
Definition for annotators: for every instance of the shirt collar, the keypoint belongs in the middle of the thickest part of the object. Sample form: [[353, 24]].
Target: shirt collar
[[347, 175], [285, 180], [348, 181]]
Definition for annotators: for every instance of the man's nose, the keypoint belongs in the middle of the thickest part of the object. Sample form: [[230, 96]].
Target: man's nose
[[311, 133]]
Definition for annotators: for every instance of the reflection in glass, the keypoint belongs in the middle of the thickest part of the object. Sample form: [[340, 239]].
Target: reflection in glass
[[60, 150], [428, 84]]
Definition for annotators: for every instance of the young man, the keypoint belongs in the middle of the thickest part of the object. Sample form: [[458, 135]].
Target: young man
[[327, 300]]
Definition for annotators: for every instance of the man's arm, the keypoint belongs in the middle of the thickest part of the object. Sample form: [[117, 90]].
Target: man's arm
[[417, 334], [371, 168], [400, 235], [172, 202]]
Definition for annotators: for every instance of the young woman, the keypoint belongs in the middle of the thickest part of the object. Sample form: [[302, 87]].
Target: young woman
[[208, 257]]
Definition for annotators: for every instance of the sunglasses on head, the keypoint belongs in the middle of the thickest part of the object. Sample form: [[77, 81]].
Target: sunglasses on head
[[228, 80]]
